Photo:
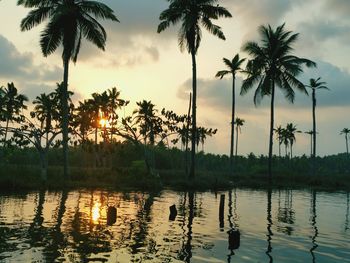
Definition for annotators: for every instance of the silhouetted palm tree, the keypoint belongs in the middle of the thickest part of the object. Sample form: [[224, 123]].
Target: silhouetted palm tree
[[314, 85], [291, 129], [346, 132], [193, 14], [69, 22], [233, 66], [272, 65], [279, 135], [13, 106], [239, 123]]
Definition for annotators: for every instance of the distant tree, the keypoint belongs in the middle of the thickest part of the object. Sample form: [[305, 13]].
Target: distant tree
[[239, 123], [315, 84], [12, 107], [193, 15], [272, 65], [346, 132], [69, 22], [291, 130], [233, 66], [279, 135]]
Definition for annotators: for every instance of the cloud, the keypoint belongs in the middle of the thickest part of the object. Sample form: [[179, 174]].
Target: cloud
[[16, 65]]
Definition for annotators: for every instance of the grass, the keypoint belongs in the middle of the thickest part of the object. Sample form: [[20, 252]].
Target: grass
[[14, 177]]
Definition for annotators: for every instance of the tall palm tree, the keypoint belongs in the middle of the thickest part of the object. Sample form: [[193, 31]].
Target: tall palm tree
[[233, 66], [315, 84], [273, 65], [239, 123], [68, 22], [193, 14], [13, 106], [346, 132]]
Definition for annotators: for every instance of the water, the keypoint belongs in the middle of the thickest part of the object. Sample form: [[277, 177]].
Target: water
[[275, 226]]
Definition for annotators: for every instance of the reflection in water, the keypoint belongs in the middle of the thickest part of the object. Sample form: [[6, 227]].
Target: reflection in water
[[269, 225], [313, 224], [347, 212], [72, 227], [286, 214], [96, 212]]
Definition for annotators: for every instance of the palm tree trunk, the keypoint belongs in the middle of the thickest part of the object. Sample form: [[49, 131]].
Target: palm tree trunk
[[65, 118], [6, 131], [279, 148], [347, 145], [236, 139], [271, 128], [194, 115], [311, 145], [291, 151], [232, 125], [314, 122], [187, 130]]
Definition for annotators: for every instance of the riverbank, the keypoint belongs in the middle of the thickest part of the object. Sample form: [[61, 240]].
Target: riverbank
[[16, 177]]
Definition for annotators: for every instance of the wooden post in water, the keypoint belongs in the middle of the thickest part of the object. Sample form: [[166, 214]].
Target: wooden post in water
[[221, 210]]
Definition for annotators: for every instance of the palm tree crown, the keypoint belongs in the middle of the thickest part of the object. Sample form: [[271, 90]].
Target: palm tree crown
[[233, 66], [69, 22], [193, 14]]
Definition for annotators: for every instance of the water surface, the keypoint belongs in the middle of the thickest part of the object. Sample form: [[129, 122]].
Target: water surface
[[275, 226]]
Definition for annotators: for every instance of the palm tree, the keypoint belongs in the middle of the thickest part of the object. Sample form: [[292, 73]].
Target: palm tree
[[239, 123], [13, 106], [346, 132], [314, 85], [272, 65], [233, 66], [68, 22], [279, 134], [291, 129], [193, 14]]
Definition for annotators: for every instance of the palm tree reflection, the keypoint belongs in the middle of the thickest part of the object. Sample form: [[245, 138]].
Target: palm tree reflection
[[269, 226], [286, 214], [347, 212], [313, 224], [232, 217]]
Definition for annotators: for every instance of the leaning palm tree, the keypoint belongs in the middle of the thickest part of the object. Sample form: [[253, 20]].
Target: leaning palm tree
[[239, 123], [273, 65], [193, 14], [68, 22], [314, 85], [233, 66], [346, 132]]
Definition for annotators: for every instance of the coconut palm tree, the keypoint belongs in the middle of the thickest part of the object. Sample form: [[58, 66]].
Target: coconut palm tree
[[279, 134], [13, 104], [315, 84], [273, 65], [239, 123], [193, 14], [291, 130], [346, 132], [69, 21], [233, 66]]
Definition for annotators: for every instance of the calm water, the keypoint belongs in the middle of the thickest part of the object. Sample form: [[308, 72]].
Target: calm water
[[275, 226]]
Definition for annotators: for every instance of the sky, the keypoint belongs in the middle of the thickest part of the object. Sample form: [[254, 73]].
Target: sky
[[143, 64]]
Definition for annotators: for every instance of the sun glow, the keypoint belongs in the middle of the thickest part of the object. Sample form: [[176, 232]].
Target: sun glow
[[96, 212], [104, 123]]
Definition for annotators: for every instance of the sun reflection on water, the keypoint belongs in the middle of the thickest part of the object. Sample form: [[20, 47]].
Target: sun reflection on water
[[96, 214]]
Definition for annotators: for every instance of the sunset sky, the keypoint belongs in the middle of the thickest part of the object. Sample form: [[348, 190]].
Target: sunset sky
[[146, 65]]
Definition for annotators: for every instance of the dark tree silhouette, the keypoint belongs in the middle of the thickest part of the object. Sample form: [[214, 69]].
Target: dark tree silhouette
[[346, 132], [192, 15], [315, 84], [272, 65], [233, 66], [68, 23], [239, 123]]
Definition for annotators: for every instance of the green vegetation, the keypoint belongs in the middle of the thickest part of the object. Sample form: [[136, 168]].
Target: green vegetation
[[122, 166]]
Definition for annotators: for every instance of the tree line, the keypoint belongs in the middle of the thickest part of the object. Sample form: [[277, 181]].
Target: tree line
[[271, 64]]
